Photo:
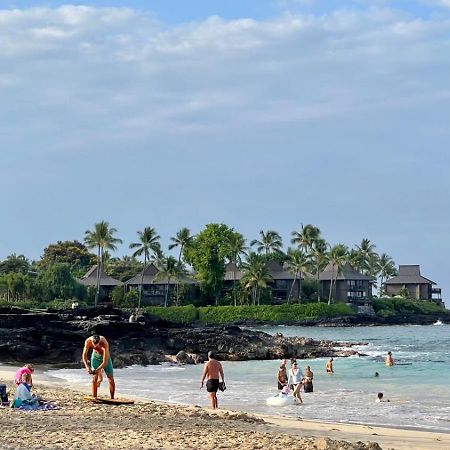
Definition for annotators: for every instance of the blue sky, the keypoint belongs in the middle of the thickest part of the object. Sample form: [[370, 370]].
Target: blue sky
[[260, 114]]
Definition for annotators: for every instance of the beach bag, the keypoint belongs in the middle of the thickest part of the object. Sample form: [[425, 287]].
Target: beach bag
[[3, 393], [222, 386]]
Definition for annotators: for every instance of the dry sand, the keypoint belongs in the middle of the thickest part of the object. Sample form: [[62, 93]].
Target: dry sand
[[155, 425]]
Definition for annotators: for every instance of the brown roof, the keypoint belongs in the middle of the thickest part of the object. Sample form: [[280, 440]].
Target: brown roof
[[231, 270], [409, 274], [276, 270], [150, 272], [90, 278], [347, 273]]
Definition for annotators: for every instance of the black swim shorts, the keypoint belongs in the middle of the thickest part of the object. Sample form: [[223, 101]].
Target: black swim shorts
[[212, 385]]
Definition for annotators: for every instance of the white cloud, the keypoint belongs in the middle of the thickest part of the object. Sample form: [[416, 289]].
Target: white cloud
[[116, 73]]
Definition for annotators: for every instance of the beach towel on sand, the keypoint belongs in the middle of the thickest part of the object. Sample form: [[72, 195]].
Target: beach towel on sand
[[36, 407]]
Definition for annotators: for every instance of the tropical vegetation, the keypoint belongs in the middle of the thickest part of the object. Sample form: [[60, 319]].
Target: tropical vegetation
[[202, 256]]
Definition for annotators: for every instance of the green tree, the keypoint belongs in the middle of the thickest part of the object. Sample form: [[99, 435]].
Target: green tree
[[387, 270], [306, 237], [148, 243], [298, 263], [319, 260], [169, 270], [182, 239], [73, 253], [57, 282], [255, 276], [15, 263], [237, 249], [270, 242], [124, 268], [338, 257], [102, 238], [360, 257], [207, 253]]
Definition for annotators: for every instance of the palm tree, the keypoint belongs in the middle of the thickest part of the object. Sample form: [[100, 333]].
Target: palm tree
[[305, 238], [298, 262], [270, 242], [256, 276], [360, 257], [338, 257], [169, 269], [237, 248], [182, 239], [387, 269], [148, 242], [102, 238], [319, 260]]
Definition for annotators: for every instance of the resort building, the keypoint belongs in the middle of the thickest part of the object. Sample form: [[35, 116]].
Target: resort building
[[154, 289], [350, 286], [419, 287], [107, 283], [281, 284]]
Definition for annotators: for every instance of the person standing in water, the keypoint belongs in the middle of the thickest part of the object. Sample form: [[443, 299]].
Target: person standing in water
[[389, 361], [295, 380], [282, 378], [100, 360], [211, 372], [308, 376], [329, 366]]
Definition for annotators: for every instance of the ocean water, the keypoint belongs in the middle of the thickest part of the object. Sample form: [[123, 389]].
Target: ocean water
[[418, 386]]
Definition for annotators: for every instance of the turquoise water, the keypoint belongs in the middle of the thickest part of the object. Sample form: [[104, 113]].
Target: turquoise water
[[418, 386]]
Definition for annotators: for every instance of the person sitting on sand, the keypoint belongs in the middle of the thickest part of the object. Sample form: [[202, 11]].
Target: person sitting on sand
[[23, 393], [389, 361], [27, 368], [329, 366], [282, 378], [308, 376], [211, 371], [100, 360], [295, 380], [380, 398]]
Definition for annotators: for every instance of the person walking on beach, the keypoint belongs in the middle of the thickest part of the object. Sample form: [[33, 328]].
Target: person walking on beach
[[28, 369], [211, 371], [295, 380], [100, 360], [308, 376], [389, 361], [282, 378], [329, 366]]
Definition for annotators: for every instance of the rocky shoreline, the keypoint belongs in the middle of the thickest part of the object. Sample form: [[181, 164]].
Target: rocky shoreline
[[57, 338]]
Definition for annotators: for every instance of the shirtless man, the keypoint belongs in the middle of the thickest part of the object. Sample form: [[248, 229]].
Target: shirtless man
[[389, 361], [211, 371], [329, 366], [100, 360]]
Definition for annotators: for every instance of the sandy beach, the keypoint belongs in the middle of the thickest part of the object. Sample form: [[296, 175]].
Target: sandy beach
[[156, 425]]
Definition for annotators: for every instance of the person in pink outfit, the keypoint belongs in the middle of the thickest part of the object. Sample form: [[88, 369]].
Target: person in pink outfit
[[27, 368]]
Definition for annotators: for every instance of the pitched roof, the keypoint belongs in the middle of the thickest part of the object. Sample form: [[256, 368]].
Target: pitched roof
[[347, 273], [276, 270], [232, 271], [409, 274], [90, 278], [150, 273]]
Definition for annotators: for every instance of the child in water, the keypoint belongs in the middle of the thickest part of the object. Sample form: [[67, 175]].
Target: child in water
[[380, 398]]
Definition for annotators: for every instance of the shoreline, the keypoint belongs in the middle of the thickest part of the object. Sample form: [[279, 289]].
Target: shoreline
[[386, 437]]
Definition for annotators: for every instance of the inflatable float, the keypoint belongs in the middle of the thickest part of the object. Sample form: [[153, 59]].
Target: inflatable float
[[281, 400]]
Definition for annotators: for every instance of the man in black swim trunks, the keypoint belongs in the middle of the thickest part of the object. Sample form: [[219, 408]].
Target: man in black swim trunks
[[211, 371]]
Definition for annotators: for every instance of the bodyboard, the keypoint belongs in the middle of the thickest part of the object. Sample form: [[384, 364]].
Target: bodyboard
[[109, 401]]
